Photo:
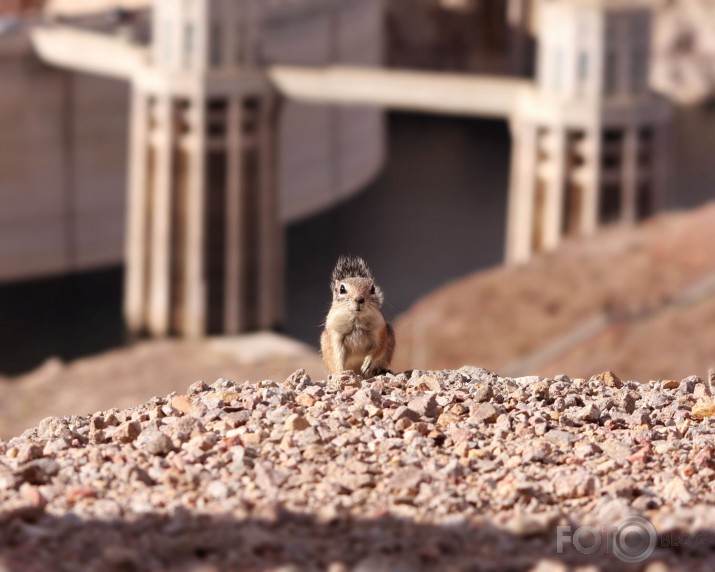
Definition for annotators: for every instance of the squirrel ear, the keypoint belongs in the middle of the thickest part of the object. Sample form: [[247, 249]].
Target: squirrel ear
[[379, 294]]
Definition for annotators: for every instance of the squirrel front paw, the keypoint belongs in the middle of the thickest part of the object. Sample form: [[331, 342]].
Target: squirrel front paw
[[366, 368]]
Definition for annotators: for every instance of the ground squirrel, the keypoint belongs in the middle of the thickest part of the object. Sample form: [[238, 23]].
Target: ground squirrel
[[356, 336]]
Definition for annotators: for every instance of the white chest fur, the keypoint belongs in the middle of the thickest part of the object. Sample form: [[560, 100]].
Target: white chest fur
[[360, 333]]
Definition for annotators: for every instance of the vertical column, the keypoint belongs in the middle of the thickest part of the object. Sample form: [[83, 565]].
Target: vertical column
[[235, 255], [160, 240], [592, 181], [271, 263], [518, 23], [521, 192], [629, 180], [660, 164], [135, 271], [553, 215], [195, 321]]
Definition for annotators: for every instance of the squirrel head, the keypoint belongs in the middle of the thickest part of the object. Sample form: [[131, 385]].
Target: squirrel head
[[352, 285]]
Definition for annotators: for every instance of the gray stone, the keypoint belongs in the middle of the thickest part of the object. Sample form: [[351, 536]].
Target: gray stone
[[424, 405], [155, 442]]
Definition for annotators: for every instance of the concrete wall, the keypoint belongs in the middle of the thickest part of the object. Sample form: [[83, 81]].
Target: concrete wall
[[327, 153], [63, 154], [62, 182]]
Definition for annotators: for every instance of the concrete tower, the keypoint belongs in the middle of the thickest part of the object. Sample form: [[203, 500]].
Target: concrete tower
[[204, 251], [590, 140]]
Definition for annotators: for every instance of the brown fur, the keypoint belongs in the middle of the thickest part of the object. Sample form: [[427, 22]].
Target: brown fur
[[356, 336]]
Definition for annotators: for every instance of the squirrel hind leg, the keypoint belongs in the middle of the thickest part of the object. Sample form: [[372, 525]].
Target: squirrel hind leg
[[326, 352]]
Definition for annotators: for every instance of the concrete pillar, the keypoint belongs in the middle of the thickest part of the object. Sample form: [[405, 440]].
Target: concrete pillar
[[660, 165], [592, 182], [629, 174], [518, 14], [195, 294], [135, 279], [554, 211], [234, 318], [521, 192], [271, 245], [160, 240]]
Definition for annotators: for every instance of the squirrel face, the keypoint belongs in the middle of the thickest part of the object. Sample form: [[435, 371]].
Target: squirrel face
[[357, 294]]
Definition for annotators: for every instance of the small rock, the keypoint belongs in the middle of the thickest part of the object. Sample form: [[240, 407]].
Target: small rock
[[484, 413], [589, 413], [616, 450], [529, 380], [677, 491], [197, 388], [127, 432], [155, 442], [8, 480], [641, 417], [540, 391], [703, 408], [626, 401], [424, 405], [406, 480], [404, 412], [609, 379], [182, 403], [28, 452], [296, 422], [426, 383], [688, 384], [483, 392], [560, 438], [574, 485], [298, 377], [218, 490], [305, 400], [39, 471], [623, 488]]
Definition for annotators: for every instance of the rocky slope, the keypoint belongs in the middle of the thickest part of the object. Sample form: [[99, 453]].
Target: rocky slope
[[444, 470], [649, 292]]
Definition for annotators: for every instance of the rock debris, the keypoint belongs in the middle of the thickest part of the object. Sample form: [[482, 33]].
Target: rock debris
[[456, 470]]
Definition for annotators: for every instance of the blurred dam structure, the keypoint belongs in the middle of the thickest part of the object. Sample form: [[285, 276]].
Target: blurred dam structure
[[211, 184]]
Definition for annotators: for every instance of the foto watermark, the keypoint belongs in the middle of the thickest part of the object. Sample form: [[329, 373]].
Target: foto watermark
[[631, 540]]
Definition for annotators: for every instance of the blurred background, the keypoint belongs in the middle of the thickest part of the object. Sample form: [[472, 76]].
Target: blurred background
[[177, 175]]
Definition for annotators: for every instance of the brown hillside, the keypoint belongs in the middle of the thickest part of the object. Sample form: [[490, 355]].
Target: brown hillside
[[632, 276]]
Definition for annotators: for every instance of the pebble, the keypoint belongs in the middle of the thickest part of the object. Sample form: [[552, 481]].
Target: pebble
[[589, 413], [703, 408], [296, 422], [155, 442], [484, 413]]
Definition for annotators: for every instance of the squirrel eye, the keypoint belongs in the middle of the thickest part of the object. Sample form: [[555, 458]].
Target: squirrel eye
[[342, 289], [372, 290]]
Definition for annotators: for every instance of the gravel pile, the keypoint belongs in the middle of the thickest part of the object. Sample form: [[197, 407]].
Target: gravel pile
[[455, 470]]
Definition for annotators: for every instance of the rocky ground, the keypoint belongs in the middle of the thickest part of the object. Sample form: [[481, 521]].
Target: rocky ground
[[444, 470], [129, 376]]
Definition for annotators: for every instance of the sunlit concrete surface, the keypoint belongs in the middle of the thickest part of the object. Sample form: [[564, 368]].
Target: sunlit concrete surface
[[451, 94]]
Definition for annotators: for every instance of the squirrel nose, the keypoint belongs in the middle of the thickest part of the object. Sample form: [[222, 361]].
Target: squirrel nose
[[360, 300]]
